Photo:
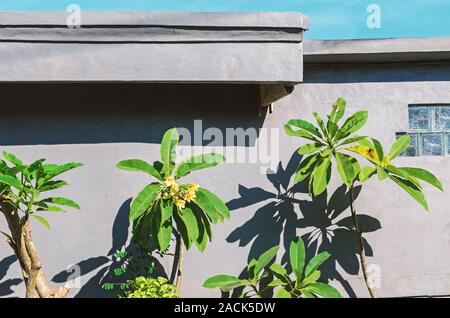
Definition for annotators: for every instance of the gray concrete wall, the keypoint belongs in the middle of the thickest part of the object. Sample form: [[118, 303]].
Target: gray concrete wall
[[102, 124]]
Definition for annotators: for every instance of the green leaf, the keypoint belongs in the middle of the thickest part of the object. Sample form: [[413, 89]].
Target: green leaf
[[321, 124], [345, 168], [142, 229], [143, 201], [315, 262], [399, 146], [336, 114], [307, 294], [323, 290], [367, 142], [62, 201], [305, 168], [278, 269], [404, 174], [52, 171], [182, 229], [280, 272], [302, 124], [321, 175], [378, 149], [412, 189], [166, 210], [282, 293], [424, 175], [382, 174], [298, 133], [139, 166], [276, 283], [13, 159], [309, 148], [197, 163], [326, 152], [168, 144], [338, 110], [165, 226], [352, 124], [10, 181], [311, 278], [265, 259], [352, 140], [34, 170], [366, 173], [212, 205], [224, 282], [41, 220], [49, 208], [205, 231], [190, 221], [52, 185], [297, 257]]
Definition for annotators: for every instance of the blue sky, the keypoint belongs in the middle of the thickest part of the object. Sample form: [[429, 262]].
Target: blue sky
[[329, 19]]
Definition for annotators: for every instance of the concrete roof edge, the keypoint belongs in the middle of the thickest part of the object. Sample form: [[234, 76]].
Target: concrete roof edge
[[377, 50], [188, 19]]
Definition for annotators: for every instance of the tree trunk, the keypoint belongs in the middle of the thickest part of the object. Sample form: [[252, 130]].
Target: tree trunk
[[22, 244], [180, 256], [362, 249]]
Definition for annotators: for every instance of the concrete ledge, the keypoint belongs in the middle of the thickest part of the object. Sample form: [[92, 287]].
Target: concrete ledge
[[192, 19], [152, 47], [377, 50]]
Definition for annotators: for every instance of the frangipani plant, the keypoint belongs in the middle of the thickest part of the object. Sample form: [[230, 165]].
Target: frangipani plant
[[168, 207], [21, 189], [331, 141], [328, 142], [408, 178], [262, 276]]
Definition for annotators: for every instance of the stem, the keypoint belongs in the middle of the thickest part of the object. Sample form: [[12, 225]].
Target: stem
[[180, 255], [21, 242], [362, 249], [255, 289]]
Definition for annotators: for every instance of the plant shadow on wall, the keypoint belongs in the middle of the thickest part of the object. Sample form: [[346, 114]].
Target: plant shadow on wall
[[6, 286], [163, 212], [104, 266], [324, 223]]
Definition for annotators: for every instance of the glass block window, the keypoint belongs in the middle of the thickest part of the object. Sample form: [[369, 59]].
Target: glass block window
[[442, 118], [419, 118], [429, 128], [448, 144], [432, 144]]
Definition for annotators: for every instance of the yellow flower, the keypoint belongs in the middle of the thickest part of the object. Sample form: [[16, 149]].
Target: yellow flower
[[194, 187], [189, 197], [166, 195], [385, 162], [170, 181], [180, 203], [174, 187]]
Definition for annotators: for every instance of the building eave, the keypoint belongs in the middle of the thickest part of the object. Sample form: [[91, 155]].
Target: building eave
[[152, 47], [401, 50]]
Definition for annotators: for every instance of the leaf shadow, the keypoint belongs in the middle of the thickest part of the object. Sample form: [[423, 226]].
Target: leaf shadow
[[105, 264], [6, 286], [321, 221]]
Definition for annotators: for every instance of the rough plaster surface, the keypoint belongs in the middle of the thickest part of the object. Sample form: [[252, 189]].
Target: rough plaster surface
[[412, 248], [152, 47], [147, 62]]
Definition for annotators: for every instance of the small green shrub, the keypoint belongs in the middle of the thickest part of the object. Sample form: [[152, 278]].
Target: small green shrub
[[148, 287], [260, 277]]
